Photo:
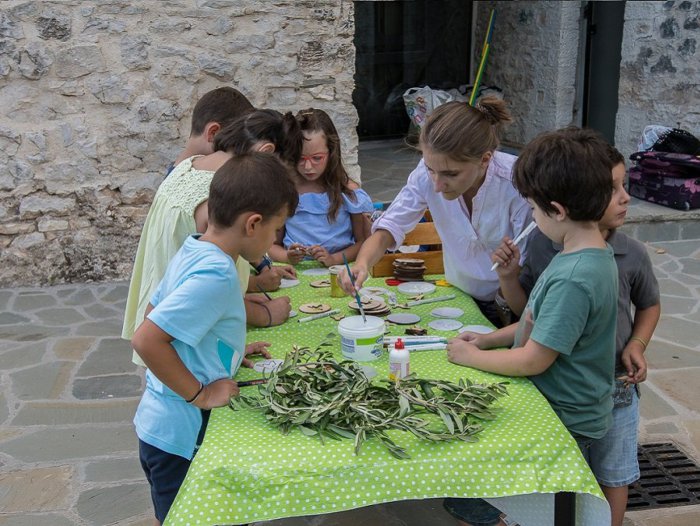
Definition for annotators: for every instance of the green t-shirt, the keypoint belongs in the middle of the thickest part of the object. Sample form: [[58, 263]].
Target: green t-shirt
[[572, 310]]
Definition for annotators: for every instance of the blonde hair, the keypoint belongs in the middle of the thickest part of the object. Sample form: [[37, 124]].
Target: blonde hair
[[463, 132]]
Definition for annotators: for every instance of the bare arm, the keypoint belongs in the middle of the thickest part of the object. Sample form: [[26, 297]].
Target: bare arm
[[358, 233], [507, 255], [201, 217], [529, 360], [371, 251], [645, 321], [154, 347]]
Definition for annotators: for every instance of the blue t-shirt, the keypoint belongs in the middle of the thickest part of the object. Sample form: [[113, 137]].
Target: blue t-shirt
[[198, 303], [310, 226]]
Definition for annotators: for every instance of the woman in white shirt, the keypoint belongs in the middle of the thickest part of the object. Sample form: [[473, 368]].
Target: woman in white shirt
[[466, 184]]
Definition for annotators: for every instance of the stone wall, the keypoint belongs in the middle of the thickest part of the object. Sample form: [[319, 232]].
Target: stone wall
[[96, 99], [660, 70], [533, 59]]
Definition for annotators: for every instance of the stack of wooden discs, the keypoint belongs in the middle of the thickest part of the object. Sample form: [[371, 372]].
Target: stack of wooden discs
[[409, 269], [372, 306]]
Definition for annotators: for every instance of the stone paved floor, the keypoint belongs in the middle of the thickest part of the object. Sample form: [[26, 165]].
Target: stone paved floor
[[68, 392]]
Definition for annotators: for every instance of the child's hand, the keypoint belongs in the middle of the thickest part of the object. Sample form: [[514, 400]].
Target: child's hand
[[507, 255], [322, 255], [255, 348], [279, 309], [269, 280], [634, 362], [285, 271], [474, 338], [216, 394], [295, 253], [360, 274], [458, 351]]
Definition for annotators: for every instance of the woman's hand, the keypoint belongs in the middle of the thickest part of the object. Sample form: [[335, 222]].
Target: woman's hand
[[259, 348], [360, 275]]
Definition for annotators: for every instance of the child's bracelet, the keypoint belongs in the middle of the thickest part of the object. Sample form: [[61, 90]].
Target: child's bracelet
[[269, 314], [192, 400], [640, 340]]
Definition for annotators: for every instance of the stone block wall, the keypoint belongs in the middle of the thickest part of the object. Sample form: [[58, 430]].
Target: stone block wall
[[660, 70], [533, 59], [96, 100]]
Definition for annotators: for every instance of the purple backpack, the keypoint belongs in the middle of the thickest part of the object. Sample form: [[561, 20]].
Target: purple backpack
[[669, 179]]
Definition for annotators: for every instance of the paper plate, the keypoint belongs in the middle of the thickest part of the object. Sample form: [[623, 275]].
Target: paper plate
[[316, 272], [292, 313], [416, 287], [481, 329], [447, 312], [403, 318], [409, 249], [268, 366], [445, 325], [286, 283]]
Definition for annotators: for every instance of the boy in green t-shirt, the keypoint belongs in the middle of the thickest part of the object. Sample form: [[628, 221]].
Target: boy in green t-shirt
[[565, 339]]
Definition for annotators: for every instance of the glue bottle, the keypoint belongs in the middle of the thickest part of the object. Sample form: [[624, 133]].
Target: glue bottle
[[399, 359]]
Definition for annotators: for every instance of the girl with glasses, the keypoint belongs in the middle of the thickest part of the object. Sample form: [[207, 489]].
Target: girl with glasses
[[330, 219]]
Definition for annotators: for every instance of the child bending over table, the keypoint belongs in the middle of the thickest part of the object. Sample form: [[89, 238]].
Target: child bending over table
[[565, 339], [197, 307], [330, 219], [615, 455], [179, 209]]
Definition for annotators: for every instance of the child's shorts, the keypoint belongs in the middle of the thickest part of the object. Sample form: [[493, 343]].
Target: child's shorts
[[165, 473], [613, 458]]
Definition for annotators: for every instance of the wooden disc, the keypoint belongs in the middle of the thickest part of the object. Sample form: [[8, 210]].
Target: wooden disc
[[320, 283], [314, 308]]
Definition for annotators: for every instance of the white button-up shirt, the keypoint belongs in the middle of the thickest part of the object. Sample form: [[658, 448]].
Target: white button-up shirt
[[498, 210]]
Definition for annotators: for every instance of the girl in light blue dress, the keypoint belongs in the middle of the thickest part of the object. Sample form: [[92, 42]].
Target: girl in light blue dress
[[331, 216]]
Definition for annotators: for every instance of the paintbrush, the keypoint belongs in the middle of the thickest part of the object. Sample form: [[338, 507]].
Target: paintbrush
[[318, 316], [263, 291], [529, 228], [357, 294], [246, 383]]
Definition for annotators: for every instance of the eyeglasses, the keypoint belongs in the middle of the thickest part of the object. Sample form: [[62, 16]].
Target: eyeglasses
[[314, 159]]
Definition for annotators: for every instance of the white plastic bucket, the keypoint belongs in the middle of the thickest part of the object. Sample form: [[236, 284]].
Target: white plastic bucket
[[361, 341]]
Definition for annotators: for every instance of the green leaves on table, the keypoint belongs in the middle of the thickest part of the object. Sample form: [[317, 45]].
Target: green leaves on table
[[321, 397]]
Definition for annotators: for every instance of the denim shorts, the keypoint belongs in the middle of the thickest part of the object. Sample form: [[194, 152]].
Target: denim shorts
[[613, 458]]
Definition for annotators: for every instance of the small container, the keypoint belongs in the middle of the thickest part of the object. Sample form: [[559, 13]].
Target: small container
[[361, 341], [336, 291], [399, 361]]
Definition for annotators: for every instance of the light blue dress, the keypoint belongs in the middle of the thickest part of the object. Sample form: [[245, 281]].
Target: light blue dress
[[310, 226]]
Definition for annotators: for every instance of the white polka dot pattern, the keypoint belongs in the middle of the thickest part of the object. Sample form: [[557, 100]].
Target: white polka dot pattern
[[248, 471]]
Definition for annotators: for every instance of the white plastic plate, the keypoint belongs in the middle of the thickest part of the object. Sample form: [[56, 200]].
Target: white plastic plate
[[481, 329], [315, 272], [445, 325], [286, 283], [416, 287], [447, 312]]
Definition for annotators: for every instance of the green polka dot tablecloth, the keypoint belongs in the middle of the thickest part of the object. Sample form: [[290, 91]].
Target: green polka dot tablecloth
[[247, 471]]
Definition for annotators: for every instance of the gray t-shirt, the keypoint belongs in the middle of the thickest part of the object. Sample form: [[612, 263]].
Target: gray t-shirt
[[638, 285], [572, 310]]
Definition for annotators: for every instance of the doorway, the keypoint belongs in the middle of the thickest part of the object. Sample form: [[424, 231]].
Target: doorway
[[403, 44]]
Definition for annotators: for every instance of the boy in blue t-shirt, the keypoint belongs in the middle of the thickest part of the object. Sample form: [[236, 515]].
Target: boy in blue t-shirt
[[565, 338], [193, 337]]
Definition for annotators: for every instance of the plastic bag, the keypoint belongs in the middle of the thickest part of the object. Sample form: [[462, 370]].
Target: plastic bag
[[420, 102]]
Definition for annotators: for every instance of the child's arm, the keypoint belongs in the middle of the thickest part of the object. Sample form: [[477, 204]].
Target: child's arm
[[503, 337], [261, 312], [201, 217], [292, 255], [645, 321], [154, 347], [507, 255], [528, 360], [359, 233]]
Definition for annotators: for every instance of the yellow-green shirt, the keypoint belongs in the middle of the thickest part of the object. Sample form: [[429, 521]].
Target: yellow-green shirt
[[170, 220]]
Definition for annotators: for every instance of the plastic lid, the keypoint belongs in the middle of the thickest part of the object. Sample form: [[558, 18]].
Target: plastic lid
[[398, 344]]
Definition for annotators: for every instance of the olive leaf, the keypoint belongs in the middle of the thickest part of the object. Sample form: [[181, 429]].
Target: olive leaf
[[321, 397]]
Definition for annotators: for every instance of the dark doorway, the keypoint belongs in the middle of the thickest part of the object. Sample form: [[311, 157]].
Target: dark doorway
[[605, 22], [403, 44]]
